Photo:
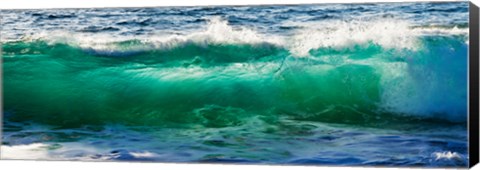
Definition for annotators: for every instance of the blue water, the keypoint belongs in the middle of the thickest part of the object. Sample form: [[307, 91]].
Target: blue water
[[263, 19], [381, 84]]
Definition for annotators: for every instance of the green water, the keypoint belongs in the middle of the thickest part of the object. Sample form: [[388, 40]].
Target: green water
[[218, 85]]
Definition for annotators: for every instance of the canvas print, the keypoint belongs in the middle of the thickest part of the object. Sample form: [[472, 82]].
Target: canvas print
[[380, 84]]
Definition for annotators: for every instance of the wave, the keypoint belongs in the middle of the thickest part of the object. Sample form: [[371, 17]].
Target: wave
[[214, 80]]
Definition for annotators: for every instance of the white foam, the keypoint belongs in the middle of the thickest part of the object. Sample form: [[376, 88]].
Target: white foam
[[44, 151], [389, 33], [145, 154], [30, 151], [446, 155], [341, 34]]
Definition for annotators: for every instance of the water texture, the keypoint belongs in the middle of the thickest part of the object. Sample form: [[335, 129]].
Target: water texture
[[327, 84]]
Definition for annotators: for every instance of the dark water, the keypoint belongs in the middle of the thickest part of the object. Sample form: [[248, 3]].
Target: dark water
[[363, 84]]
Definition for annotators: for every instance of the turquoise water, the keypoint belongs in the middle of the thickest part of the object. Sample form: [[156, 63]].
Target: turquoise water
[[323, 84]]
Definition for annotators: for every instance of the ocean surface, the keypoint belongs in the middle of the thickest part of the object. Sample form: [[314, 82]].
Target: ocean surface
[[381, 84]]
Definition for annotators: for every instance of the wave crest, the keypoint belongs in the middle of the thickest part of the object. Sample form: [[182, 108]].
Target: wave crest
[[388, 33]]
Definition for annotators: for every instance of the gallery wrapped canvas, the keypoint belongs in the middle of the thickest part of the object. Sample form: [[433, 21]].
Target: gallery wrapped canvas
[[369, 84]]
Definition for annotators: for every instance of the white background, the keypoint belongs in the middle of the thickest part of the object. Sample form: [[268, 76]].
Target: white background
[[53, 165]]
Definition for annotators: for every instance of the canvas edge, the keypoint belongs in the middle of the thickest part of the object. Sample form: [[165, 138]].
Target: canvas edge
[[473, 123]]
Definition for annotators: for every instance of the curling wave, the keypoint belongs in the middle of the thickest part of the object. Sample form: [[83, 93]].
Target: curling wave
[[223, 75]]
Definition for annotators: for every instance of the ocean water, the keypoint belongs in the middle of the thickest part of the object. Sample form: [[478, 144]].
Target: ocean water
[[381, 84]]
